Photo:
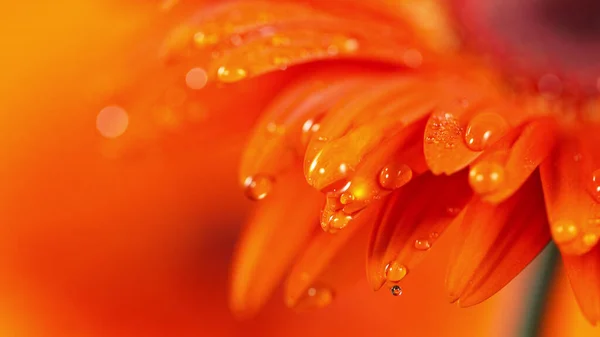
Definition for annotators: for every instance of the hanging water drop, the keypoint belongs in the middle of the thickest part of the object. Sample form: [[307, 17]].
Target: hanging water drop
[[484, 129], [258, 187], [422, 244], [394, 176], [396, 290], [395, 272]]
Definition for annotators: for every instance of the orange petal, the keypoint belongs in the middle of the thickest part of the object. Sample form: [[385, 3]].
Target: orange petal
[[389, 167], [570, 184], [271, 240], [351, 131], [284, 129], [409, 223], [261, 37], [497, 242], [584, 274], [467, 121], [507, 165], [327, 263]]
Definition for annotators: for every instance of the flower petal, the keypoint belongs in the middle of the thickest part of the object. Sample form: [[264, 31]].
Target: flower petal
[[354, 129], [584, 274], [327, 263], [409, 223], [505, 167], [468, 120], [387, 168], [569, 188], [281, 135], [497, 242], [257, 37], [271, 240]]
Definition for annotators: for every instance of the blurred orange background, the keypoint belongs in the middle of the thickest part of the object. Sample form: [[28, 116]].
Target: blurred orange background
[[98, 244]]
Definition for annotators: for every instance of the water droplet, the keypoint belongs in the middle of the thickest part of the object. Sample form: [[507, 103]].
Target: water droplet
[[196, 78], [412, 58], [595, 185], [112, 121], [229, 75], [422, 244], [315, 298], [396, 290], [258, 187], [434, 235], [281, 61], [453, 211], [202, 39], [564, 231], [346, 198], [395, 272], [351, 45], [590, 239], [394, 176], [486, 177], [484, 129], [339, 220]]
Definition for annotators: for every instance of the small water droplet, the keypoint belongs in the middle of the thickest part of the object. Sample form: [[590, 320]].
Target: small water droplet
[[590, 239], [395, 272], [486, 177], [396, 290], [564, 231], [434, 235], [346, 198], [281, 61], [229, 75], [484, 129], [258, 187], [394, 176], [315, 297], [595, 185], [202, 39], [422, 244], [196, 78], [453, 211]]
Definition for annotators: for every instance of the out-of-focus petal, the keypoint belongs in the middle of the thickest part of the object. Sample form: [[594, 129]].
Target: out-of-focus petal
[[270, 242], [584, 275], [497, 242], [571, 181]]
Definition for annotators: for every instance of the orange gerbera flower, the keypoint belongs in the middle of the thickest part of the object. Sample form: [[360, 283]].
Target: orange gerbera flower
[[406, 123]]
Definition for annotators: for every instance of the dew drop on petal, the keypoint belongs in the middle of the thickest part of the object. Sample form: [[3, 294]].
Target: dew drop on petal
[[196, 78], [395, 272], [484, 129], [594, 188], [258, 187], [112, 121], [564, 231], [396, 290], [394, 176], [229, 75], [485, 177], [422, 244]]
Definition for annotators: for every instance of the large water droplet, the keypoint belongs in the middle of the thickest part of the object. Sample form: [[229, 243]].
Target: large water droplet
[[486, 177], [595, 185], [258, 187], [564, 231], [396, 290], [484, 129], [394, 176], [229, 75], [395, 272], [422, 244]]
